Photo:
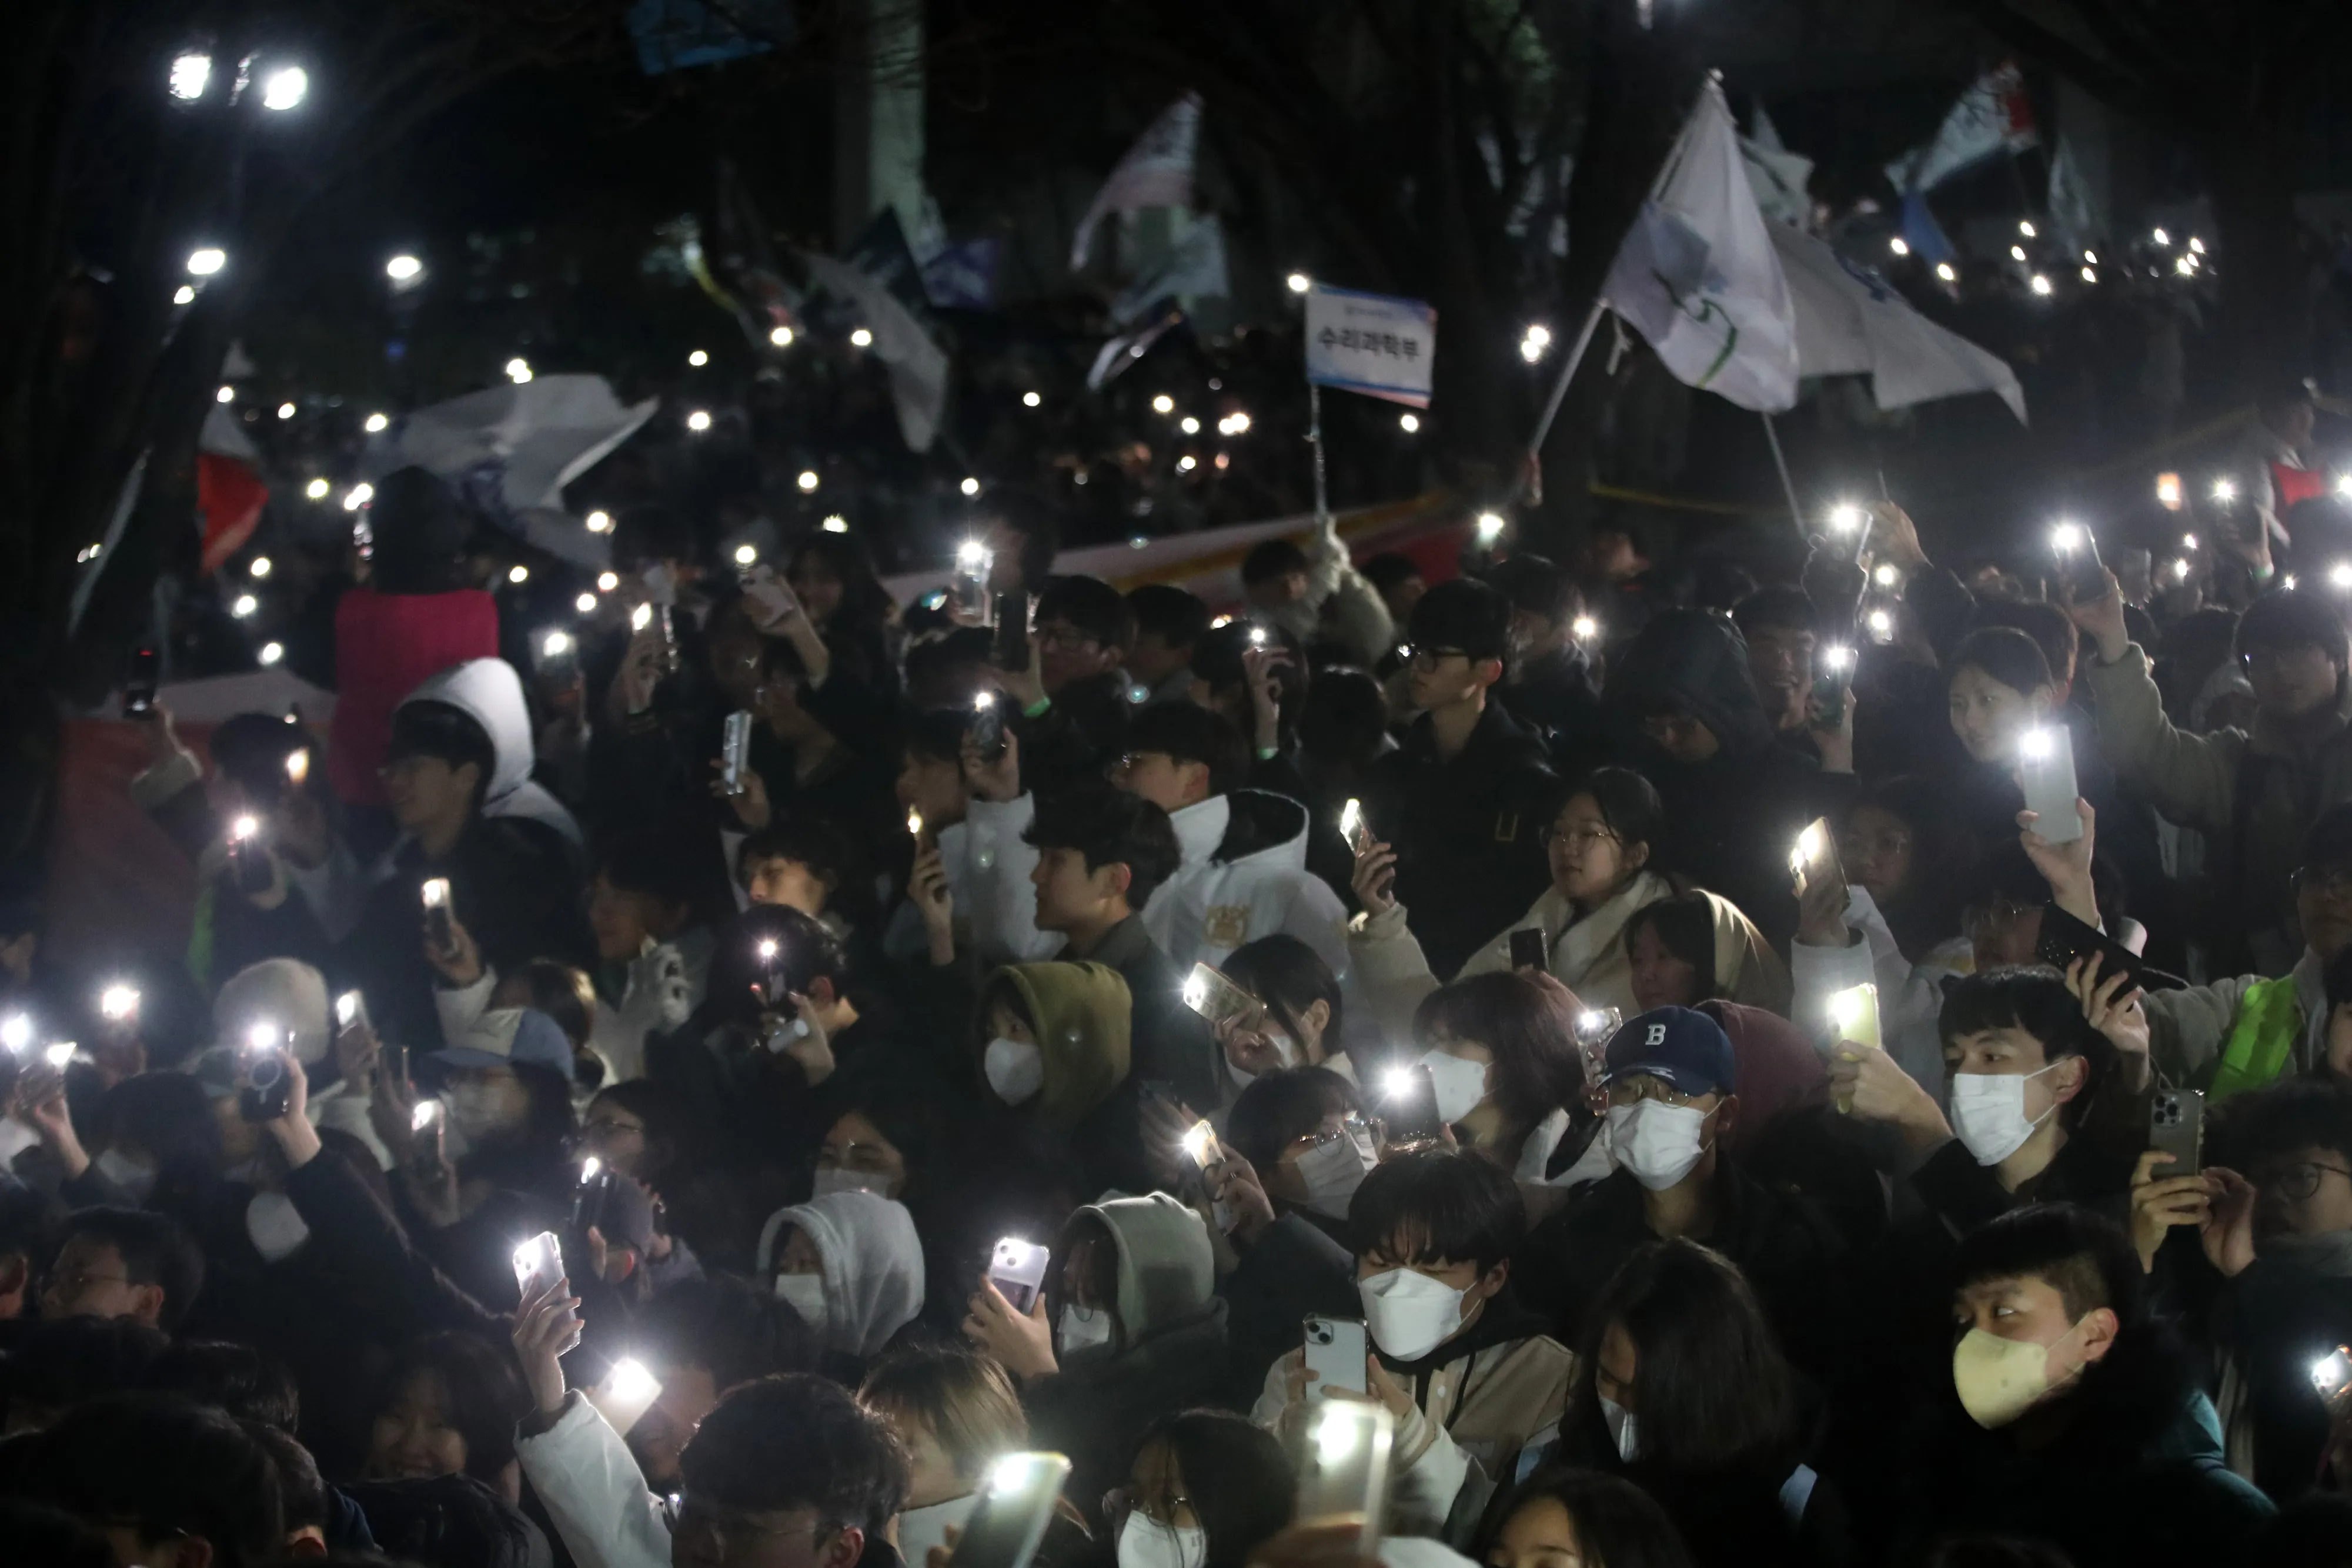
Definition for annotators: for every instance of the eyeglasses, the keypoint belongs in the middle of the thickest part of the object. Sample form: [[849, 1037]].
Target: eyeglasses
[[727, 1530], [869, 1158], [1354, 1127], [1992, 920], [1121, 1501], [2323, 881], [1430, 658], [67, 1284], [1577, 834], [1059, 636], [2297, 1182], [1630, 1088]]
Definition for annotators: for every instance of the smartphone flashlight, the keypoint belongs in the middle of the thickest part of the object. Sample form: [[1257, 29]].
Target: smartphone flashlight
[[983, 701], [61, 1054], [1584, 628], [2168, 491], [244, 827], [1888, 576], [555, 644], [1595, 1024], [262, 1036], [767, 949], [1257, 636], [628, 1391], [2066, 537], [2330, 1372], [16, 1033], [118, 1002], [1837, 659], [1854, 1012], [297, 766], [914, 825], [1882, 626], [1201, 1143], [1490, 527], [973, 556], [1811, 845], [427, 1112], [588, 1169], [348, 1008], [1397, 1082], [435, 892]]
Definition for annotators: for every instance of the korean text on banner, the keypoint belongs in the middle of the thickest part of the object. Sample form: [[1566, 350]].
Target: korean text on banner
[[1371, 343]]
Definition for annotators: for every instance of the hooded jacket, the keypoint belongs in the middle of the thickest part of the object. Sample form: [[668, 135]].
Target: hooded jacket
[[1480, 1399], [488, 692], [1081, 1016], [873, 1266], [1730, 818], [1244, 876], [384, 644], [1169, 1352]]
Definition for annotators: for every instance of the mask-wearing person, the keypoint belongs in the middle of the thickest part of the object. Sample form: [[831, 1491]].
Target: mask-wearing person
[[1670, 1077], [956, 1413], [1206, 1487], [850, 1264], [1057, 1038]]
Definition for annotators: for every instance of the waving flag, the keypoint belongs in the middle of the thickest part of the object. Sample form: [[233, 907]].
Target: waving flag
[[1993, 116], [1156, 172]]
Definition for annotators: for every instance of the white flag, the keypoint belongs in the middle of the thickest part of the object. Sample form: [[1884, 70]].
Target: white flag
[[1697, 275], [1993, 116], [1156, 172], [918, 367]]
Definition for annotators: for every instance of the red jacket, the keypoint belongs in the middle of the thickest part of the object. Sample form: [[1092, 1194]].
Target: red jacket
[[387, 645]]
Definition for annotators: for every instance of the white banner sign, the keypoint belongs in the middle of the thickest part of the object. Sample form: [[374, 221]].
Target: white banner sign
[[1371, 343]]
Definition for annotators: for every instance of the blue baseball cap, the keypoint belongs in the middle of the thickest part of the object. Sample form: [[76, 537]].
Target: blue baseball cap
[[1681, 1045], [512, 1037]]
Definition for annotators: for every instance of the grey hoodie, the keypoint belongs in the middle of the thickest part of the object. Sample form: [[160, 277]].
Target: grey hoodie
[[873, 1266]]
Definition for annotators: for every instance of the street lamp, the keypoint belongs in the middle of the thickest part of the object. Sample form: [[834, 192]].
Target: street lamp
[[285, 88]]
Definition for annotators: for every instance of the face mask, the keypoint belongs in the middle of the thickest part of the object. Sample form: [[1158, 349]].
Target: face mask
[[136, 1179], [276, 1230], [1998, 1379], [1658, 1143], [1083, 1328], [1332, 1172], [1621, 1428], [1145, 1543], [1284, 1047], [831, 1179], [1015, 1070], [804, 1294], [1409, 1314], [920, 1529], [1459, 1084], [476, 1110], [1988, 1113]]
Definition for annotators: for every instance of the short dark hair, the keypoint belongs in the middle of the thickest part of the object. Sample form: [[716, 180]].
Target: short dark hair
[[1389, 569], [1778, 606], [805, 950], [1109, 826], [300, 1485], [1345, 717], [2292, 618], [248, 1384], [155, 1249], [66, 1361], [806, 839], [165, 1468], [1272, 558], [429, 728], [2085, 1257], [1177, 617], [2291, 1115], [1444, 1204], [1537, 585], [1091, 606], [563, 993], [2005, 654], [1217, 660], [1038, 524], [1629, 804], [1288, 977], [1684, 924], [1528, 1025], [37, 1533], [671, 865], [2328, 841], [722, 1322], [1463, 613], [26, 1220], [669, 1121], [1280, 1108], [168, 1115], [2029, 997], [914, 1116], [1191, 733], [1240, 1480], [1712, 1390], [482, 1394], [1615, 1522], [2052, 628], [798, 1441]]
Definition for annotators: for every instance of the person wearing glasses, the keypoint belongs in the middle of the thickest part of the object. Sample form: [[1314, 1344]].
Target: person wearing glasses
[[2268, 1272], [1205, 1490], [1460, 806]]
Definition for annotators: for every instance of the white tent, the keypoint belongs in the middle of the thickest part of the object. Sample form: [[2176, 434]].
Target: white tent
[[1850, 321]]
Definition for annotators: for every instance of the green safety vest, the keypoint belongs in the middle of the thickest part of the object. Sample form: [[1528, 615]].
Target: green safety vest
[[2261, 1040]]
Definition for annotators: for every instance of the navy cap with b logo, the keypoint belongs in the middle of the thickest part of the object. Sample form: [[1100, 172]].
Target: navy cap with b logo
[[1681, 1045]]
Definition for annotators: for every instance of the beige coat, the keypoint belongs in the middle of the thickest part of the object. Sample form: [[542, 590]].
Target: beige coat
[[1586, 955]]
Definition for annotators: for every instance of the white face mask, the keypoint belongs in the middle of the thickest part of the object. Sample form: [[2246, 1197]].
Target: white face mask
[[1988, 1113], [1015, 1070], [276, 1230], [1083, 1328], [1284, 1047], [1409, 1313], [1621, 1428], [804, 1294], [134, 1177], [831, 1179], [1333, 1171], [1459, 1084], [476, 1110], [1145, 1543], [1658, 1143], [920, 1529]]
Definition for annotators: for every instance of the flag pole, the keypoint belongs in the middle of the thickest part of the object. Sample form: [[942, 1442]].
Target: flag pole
[[1560, 383], [1780, 462], [1315, 437]]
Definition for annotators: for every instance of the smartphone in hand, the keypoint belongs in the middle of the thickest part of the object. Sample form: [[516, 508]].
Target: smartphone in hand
[[1529, 949], [1017, 1270], [2176, 1124], [2045, 770], [1016, 1504], [1343, 1469], [139, 686], [1336, 1349]]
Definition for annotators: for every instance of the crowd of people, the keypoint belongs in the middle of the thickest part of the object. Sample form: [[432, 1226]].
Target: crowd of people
[[704, 1090]]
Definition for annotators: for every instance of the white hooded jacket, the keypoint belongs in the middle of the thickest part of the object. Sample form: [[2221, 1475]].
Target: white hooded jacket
[[1212, 906], [488, 692], [873, 1265]]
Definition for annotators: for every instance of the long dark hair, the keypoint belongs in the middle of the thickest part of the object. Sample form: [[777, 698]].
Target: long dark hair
[[864, 601], [1288, 977], [1528, 1026], [1711, 1388], [1684, 924], [1928, 909], [1239, 1480], [482, 1392], [1615, 1524]]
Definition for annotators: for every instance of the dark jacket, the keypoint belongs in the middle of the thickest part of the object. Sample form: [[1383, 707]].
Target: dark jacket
[[2133, 1480], [1468, 833], [1171, 1043], [1292, 1271], [2276, 1319], [1557, 697]]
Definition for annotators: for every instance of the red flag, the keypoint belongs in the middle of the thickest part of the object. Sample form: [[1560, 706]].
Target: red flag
[[229, 496]]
